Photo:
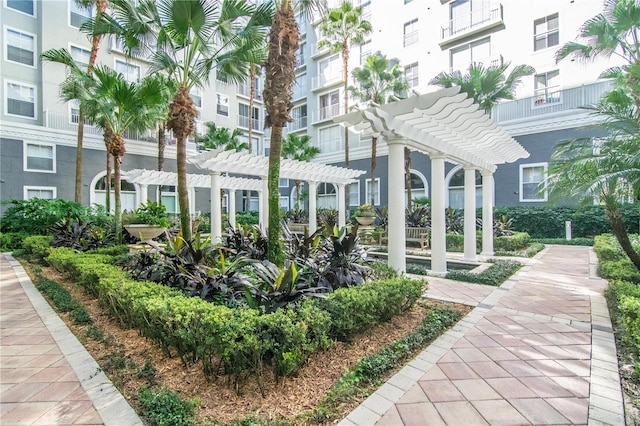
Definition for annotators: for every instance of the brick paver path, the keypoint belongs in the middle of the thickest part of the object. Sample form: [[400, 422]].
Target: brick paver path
[[41, 362], [537, 350]]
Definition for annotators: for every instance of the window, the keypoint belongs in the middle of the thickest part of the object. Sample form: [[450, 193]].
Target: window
[[39, 157], [300, 87], [531, 177], [330, 69], [284, 202], [300, 54], [196, 96], [330, 139], [546, 32], [354, 194], [20, 100], [456, 188], [467, 14], [251, 200], [327, 196], [547, 88], [411, 75], [222, 104], [365, 51], [20, 47], [79, 15], [366, 10], [44, 192], [80, 56], [243, 116], [299, 115], [463, 56], [283, 183], [407, 1], [329, 105], [127, 194], [418, 187], [411, 32], [130, 72], [170, 199], [376, 191], [74, 111], [24, 6]]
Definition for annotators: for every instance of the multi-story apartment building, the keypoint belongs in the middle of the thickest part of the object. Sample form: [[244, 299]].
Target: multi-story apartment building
[[38, 131]]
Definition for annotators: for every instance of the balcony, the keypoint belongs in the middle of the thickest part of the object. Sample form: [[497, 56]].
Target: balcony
[[244, 89], [321, 81], [411, 38], [491, 61], [326, 113], [550, 101], [298, 124], [471, 23], [243, 121]]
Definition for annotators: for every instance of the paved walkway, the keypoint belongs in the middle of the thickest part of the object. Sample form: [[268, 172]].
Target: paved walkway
[[537, 350], [46, 375]]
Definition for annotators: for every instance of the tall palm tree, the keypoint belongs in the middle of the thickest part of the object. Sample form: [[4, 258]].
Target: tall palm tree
[[486, 85], [284, 41], [190, 40], [379, 81], [220, 137], [298, 148], [614, 32]]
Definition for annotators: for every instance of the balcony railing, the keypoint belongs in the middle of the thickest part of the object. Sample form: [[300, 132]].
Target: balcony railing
[[322, 80], [326, 113], [411, 38], [551, 101], [243, 121], [297, 124], [492, 61], [473, 21], [245, 90]]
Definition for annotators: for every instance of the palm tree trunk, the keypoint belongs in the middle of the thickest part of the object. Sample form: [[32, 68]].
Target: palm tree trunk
[[252, 77], [161, 144], [407, 174], [78, 184], [107, 201], [118, 203], [620, 231], [345, 78], [183, 192], [274, 245], [374, 150], [297, 183]]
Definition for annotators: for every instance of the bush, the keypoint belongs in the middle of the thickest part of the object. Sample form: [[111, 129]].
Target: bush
[[163, 407], [12, 240], [36, 216], [607, 248], [382, 271], [455, 242], [580, 241], [63, 301], [38, 245], [494, 275], [517, 241]]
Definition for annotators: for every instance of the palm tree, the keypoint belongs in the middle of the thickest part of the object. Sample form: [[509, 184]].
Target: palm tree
[[284, 38], [486, 85], [380, 80], [221, 137], [614, 32], [298, 148], [192, 38]]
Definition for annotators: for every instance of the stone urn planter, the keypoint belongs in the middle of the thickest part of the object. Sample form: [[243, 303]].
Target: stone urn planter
[[365, 220], [145, 232]]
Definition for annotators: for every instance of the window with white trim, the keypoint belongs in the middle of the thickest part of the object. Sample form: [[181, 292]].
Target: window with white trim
[[531, 178], [299, 115], [300, 54], [20, 99], [547, 88], [222, 104], [327, 196], [243, 116], [329, 105], [196, 96], [354, 194], [39, 157], [418, 188], [546, 32], [130, 72], [80, 56], [284, 202], [411, 75], [44, 192], [283, 183], [20, 47], [477, 51], [330, 69], [456, 188], [330, 139], [410, 32], [79, 15], [365, 51], [25, 6], [170, 199], [376, 191]]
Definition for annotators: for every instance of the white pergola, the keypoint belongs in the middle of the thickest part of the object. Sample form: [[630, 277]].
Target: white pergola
[[218, 162], [143, 178], [447, 126]]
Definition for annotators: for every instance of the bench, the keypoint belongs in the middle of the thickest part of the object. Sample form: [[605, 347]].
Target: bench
[[413, 234]]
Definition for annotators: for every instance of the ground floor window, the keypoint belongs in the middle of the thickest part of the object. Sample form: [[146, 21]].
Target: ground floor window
[[456, 188], [354, 194], [251, 201], [531, 178], [327, 196], [45, 192], [127, 194], [373, 191], [418, 187]]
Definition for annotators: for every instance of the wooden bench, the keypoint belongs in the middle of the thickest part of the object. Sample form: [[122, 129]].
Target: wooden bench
[[413, 234]]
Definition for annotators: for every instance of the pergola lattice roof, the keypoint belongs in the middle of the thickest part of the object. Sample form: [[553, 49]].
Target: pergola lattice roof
[[443, 122], [250, 164], [153, 177]]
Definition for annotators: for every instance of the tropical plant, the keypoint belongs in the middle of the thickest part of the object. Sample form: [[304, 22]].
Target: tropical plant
[[298, 148], [417, 216], [344, 262], [221, 137], [190, 39], [380, 80], [284, 41], [365, 210], [485, 85], [79, 234], [150, 213]]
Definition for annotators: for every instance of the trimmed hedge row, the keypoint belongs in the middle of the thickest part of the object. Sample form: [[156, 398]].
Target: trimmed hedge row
[[494, 275], [517, 241], [243, 340]]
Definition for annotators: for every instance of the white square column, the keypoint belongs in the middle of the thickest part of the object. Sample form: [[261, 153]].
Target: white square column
[[231, 207], [487, 213], [216, 208], [470, 214], [342, 220], [263, 204], [397, 256], [313, 213], [438, 221]]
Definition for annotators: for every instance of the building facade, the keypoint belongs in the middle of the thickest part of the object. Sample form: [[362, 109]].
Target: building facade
[[38, 131]]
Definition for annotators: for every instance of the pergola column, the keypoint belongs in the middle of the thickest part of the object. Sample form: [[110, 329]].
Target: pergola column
[[192, 200], [313, 213], [216, 208], [396, 224], [342, 221], [231, 207], [264, 204], [470, 214], [487, 213], [143, 194], [438, 223]]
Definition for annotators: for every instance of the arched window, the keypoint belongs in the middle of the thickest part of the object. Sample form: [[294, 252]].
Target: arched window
[[327, 196], [170, 199], [127, 193], [456, 188], [418, 187]]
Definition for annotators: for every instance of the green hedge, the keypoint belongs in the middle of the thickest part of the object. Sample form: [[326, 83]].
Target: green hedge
[[549, 222], [494, 275], [243, 339], [10, 241], [38, 245], [580, 241], [517, 241]]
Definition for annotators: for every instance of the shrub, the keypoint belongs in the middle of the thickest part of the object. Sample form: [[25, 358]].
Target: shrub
[[63, 301], [36, 216], [382, 271], [516, 241], [494, 275], [12, 240], [607, 248], [580, 241], [38, 245], [163, 407], [455, 242]]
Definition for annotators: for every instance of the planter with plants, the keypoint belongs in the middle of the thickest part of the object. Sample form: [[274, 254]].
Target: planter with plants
[[365, 214], [146, 222]]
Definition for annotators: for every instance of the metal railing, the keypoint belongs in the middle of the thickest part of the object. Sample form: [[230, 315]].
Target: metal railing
[[297, 124], [243, 121], [492, 61], [411, 38], [552, 101], [322, 80], [326, 113], [244, 89], [489, 14]]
